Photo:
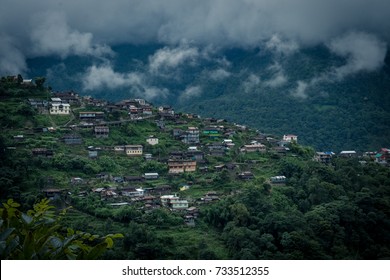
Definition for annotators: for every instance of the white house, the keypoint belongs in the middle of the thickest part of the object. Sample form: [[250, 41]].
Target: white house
[[290, 138], [174, 202], [166, 199], [60, 109], [152, 140], [179, 204], [133, 193], [134, 150]]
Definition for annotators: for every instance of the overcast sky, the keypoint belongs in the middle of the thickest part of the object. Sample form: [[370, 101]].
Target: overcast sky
[[30, 28]]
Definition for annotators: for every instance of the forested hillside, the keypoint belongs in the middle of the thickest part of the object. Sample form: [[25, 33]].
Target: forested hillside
[[171, 185], [306, 92]]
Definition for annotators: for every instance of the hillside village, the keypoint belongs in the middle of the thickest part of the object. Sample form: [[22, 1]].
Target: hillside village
[[132, 153], [210, 138], [207, 146]]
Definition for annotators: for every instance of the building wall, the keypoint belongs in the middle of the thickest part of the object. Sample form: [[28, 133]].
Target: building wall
[[60, 109], [152, 141], [134, 151]]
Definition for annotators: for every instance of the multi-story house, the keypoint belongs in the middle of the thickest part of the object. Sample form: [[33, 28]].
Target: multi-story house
[[58, 108], [134, 150], [191, 136], [181, 166], [290, 138], [101, 131]]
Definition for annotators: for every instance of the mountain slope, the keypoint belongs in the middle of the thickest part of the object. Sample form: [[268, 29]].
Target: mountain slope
[[301, 93]]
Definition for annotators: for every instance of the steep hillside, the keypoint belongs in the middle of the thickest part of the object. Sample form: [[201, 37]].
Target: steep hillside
[[182, 187]]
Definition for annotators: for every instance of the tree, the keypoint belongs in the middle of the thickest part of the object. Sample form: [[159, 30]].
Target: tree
[[39, 81], [38, 234], [20, 79]]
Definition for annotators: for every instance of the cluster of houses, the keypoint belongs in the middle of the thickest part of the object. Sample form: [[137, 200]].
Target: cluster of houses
[[382, 156], [59, 103], [219, 143]]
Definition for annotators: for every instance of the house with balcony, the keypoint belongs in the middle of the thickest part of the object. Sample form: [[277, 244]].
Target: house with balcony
[[174, 202], [179, 204], [101, 131], [132, 192], [323, 157], [58, 108], [134, 150], [191, 136], [290, 138], [91, 116], [147, 110], [255, 147], [181, 166]]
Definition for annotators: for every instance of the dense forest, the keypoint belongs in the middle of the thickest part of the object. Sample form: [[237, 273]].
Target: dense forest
[[334, 210]]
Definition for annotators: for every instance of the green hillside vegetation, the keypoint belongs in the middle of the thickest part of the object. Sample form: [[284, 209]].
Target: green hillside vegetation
[[335, 210]]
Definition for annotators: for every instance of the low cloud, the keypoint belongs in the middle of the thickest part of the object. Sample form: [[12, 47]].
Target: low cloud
[[169, 58], [281, 47], [301, 90], [97, 77], [53, 36], [152, 92], [191, 92], [12, 59], [219, 74], [251, 83], [101, 77], [362, 51], [278, 78], [46, 27]]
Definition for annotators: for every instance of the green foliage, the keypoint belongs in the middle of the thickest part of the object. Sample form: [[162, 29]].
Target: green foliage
[[322, 213], [39, 81], [37, 234]]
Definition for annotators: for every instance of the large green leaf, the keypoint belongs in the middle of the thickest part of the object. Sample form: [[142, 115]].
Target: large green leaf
[[7, 232], [96, 251]]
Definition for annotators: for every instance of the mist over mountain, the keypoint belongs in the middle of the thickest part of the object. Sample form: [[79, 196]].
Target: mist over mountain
[[314, 68]]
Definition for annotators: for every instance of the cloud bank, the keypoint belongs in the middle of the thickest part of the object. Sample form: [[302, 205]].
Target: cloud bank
[[363, 52], [104, 77], [88, 27]]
